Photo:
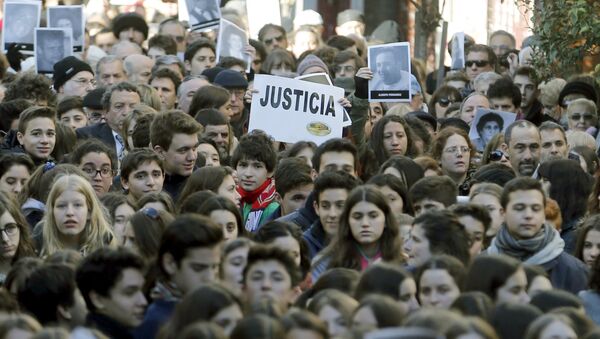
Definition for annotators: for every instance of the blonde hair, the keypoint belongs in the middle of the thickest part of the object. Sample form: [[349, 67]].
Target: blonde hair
[[579, 138], [582, 102], [550, 91], [97, 232]]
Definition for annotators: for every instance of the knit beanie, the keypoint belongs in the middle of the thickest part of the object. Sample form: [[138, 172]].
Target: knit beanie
[[127, 20], [578, 87], [66, 68], [312, 61], [93, 99], [231, 79]]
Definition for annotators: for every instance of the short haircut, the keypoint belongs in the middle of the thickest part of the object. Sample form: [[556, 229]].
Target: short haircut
[[161, 197], [528, 72], [9, 159], [164, 42], [474, 211], [107, 60], [291, 173], [169, 74], [88, 146], [68, 103], [489, 117], [505, 88], [517, 123], [136, 158], [170, 21], [552, 126], [228, 62], [211, 117], [167, 124], [209, 96], [259, 253], [166, 60], [446, 235], [186, 232], [345, 56], [438, 188], [35, 112], [485, 49], [340, 42], [267, 27], [120, 87], [334, 180], [334, 145], [520, 184], [100, 271], [197, 45], [586, 103], [10, 111], [505, 33], [255, 146]]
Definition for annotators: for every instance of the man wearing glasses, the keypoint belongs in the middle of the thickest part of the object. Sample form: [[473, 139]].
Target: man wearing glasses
[[73, 77], [480, 58]]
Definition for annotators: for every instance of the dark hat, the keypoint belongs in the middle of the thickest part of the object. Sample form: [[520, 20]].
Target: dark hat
[[496, 173], [126, 20], [425, 117], [66, 68], [93, 99], [349, 15], [578, 87], [231, 79], [211, 73], [309, 61]]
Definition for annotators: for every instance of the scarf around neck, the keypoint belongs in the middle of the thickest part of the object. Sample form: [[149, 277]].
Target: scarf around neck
[[542, 248], [261, 197]]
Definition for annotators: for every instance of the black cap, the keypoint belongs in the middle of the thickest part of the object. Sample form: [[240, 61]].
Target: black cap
[[127, 20], [211, 73], [66, 68], [231, 79], [578, 87], [93, 99]]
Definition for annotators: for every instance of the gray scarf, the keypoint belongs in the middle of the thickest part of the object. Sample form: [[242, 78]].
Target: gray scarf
[[542, 248]]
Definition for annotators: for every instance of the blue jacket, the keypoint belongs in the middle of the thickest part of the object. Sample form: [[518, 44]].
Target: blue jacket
[[156, 316], [315, 238], [567, 273], [305, 216]]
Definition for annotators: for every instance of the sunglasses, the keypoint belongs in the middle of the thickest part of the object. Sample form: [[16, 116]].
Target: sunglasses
[[445, 102], [586, 116], [270, 41], [478, 63], [497, 156]]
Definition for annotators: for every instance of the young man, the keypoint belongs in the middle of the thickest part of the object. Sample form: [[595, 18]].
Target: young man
[[531, 108], [160, 45], [434, 193], [199, 56], [293, 183], [72, 77], [37, 133], [130, 27], [524, 147], [174, 137], [554, 142], [189, 256], [111, 282], [270, 275], [142, 173], [109, 70], [254, 160], [504, 96], [479, 58], [476, 220], [526, 236], [331, 190], [166, 82], [70, 112]]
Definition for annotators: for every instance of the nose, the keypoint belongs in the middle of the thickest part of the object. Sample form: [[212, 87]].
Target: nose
[[4, 236], [151, 181], [142, 301], [434, 298], [192, 155], [17, 187], [594, 252], [266, 284]]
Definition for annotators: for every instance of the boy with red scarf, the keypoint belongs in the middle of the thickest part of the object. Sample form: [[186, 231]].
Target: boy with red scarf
[[255, 159]]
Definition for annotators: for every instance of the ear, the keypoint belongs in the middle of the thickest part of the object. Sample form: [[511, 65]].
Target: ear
[[316, 207], [63, 313], [124, 184], [20, 137], [168, 263], [160, 151], [97, 300]]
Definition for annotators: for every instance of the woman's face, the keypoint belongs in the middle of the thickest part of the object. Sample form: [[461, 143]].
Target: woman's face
[[408, 295], [591, 247], [228, 222], [233, 268], [467, 114], [70, 212], [417, 247], [367, 222], [228, 189], [289, 244], [557, 329], [129, 238], [514, 289], [337, 325], [228, 317], [10, 235], [437, 289], [14, 179], [492, 204], [375, 112], [395, 140], [490, 129], [211, 154], [364, 319], [394, 199], [539, 283], [122, 214], [581, 118], [456, 156]]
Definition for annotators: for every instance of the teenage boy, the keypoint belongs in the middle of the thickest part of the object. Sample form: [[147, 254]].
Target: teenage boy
[[434, 193], [254, 160], [174, 137], [330, 192], [111, 282], [37, 133], [199, 56], [293, 183], [189, 256], [142, 173], [270, 275], [504, 96], [526, 236], [476, 220], [70, 112]]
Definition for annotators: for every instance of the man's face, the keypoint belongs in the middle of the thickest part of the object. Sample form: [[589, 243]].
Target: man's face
[[94, 115], [186, 92], [81, 84], [273, 38], [121, 103], [166, 91], [524, 214], [501, 44], [524, 150], [581, 117], [133, 35], [295, 198], [105, 41], [527, 88], [504, 104], [175, 31], [251, 174], [337, 161], [220, 135], [141, 71], [387, 67], [74, 118], [329, 209], [147, 178], [268, 279], [111, 73], [427, 205], [554, 145], [199, 267], [476, 63], [156, 52], [203, 59], [181, 156], [346, 69], [39, 138], [125, 302], [351, 27], [237, 101]]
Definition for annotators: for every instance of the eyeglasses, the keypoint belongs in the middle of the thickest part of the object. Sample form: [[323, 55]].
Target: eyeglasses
[[454, 149], [585, 116], [151, 213], [478, 63], [347, 68], [237, 92], [445, 102], [10, 230], [105, 172], [85, 82], [497, 156], [269, 42]]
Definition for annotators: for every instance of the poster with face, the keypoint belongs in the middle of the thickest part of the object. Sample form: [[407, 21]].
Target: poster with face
[[390, 64], [458, 51], [20, 21], [70, 18], [201, 14], [232, 42], [487, 124], [51, 45]]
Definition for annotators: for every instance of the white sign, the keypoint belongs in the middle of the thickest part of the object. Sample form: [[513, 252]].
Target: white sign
[[390, 64], [201, 14], [458, 51], [20, 21], [487, 124], [51, 46], [260, 13], [293, 110], [71, 18], [232, 42]]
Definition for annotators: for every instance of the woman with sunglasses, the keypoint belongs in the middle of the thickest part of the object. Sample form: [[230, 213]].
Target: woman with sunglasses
[[14, 235], [453, 150], [441, 99], [495, 151]]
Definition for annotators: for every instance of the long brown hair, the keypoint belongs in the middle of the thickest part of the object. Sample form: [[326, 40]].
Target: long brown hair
[[25, 247]]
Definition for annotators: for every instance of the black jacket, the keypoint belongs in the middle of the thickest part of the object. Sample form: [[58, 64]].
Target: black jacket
[[108, 326], [99, 131]]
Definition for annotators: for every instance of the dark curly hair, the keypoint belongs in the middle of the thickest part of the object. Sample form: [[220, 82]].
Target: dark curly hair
[[31, 86]]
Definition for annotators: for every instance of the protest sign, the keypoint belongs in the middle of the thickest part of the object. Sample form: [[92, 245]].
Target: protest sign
[[458, 51], [260, 13], [70, 18], [232, 42], [390, 64], [292, 110], [487, 124], [200, 14], [20, 21], [51, 45]]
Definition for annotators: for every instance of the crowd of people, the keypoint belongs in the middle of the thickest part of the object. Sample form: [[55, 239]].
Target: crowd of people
[[135, 203]]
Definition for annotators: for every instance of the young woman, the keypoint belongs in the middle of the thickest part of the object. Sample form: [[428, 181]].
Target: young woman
[[551, 326], [211, 97], [395, 191], [75, 218], [488, 195], [99, 163], [235, 255], [367, 232], [120, 209], [303, 150], [144, 230], [390, 280], [15, 239], [15, 170], [443, 97], [452, 148], [440, 281], [225, 213], [405, 168], [591, 297], [496, 151], [588, 242], [158, 200], [335, 308], [376, 312], [217, 179]]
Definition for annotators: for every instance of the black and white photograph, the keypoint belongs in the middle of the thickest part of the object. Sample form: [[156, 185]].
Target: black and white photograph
[[51, 45], [390, 65], [487, 124], [203, 14], [232, 41], [457, 45], [20, 21], [70, 18]]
